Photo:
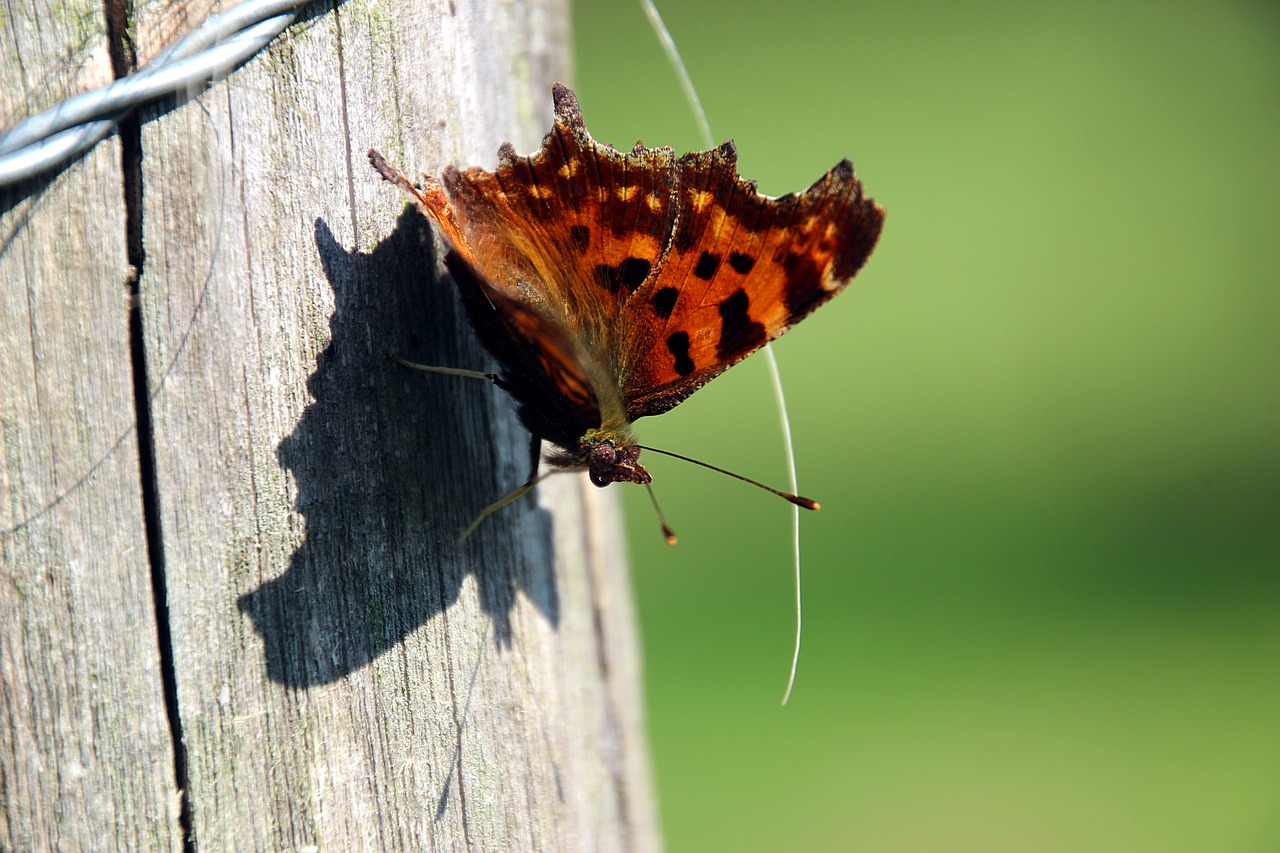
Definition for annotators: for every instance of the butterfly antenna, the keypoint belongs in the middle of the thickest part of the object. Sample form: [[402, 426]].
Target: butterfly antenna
[[807, 503], [667, 532]]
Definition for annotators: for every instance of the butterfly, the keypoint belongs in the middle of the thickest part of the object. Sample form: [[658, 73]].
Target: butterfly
[[612, 285]]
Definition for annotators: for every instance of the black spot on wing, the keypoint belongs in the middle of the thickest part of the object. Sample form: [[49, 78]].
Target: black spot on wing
[[678, 345], [627, 275], [804, 287], [707, 266], [739, 334], [664, 301], [633, 271], [741, 263], [580, 237]]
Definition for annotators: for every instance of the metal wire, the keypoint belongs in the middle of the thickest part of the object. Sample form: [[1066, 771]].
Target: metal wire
[[62, 132]]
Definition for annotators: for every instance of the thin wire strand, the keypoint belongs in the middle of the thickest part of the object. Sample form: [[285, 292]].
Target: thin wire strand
[[775, 375], [686, 82], [223, 42]]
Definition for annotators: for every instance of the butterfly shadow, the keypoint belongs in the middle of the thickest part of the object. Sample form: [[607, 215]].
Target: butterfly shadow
[[390, 465]]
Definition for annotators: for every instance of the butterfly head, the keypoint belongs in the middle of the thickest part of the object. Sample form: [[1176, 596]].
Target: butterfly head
[[608, 462], [608, 459]]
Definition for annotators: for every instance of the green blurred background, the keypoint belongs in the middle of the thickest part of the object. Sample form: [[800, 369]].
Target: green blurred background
[[1043, 594]]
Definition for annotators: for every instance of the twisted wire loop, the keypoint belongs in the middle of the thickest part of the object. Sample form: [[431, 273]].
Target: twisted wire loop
[[60, 133]]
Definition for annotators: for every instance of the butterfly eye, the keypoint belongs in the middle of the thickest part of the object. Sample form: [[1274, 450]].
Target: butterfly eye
[[604, 456]]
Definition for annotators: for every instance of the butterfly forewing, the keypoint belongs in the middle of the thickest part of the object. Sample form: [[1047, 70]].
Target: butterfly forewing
[[582, 224], [741, 268]]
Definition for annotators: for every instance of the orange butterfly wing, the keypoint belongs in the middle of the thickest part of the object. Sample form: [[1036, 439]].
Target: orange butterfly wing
[[740, 269], [613, 285], [573, 229]]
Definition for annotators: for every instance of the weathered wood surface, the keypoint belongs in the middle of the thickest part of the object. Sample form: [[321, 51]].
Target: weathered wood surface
[[85, 752], [346, 677]]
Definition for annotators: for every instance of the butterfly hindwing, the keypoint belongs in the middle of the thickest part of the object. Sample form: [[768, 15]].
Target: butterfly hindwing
[[542, 366]]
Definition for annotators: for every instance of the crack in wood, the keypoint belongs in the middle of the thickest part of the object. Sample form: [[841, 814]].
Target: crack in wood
[[124, 61]]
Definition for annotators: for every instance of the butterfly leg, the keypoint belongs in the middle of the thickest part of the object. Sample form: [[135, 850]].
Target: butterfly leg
[[494, 507], [535, 456], [448, 371], [511, 497]]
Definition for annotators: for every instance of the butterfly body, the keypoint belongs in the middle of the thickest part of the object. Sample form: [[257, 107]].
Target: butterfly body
[[612, 285]]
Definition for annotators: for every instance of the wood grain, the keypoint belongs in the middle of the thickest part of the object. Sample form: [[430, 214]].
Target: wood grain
[[85, 751], [347, 676], [48, 53]]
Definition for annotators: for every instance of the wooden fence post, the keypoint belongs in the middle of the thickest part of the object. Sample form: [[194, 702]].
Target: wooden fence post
[[342, 675]]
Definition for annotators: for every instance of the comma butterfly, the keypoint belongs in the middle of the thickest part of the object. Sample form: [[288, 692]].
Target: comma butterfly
[[612, 285]]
